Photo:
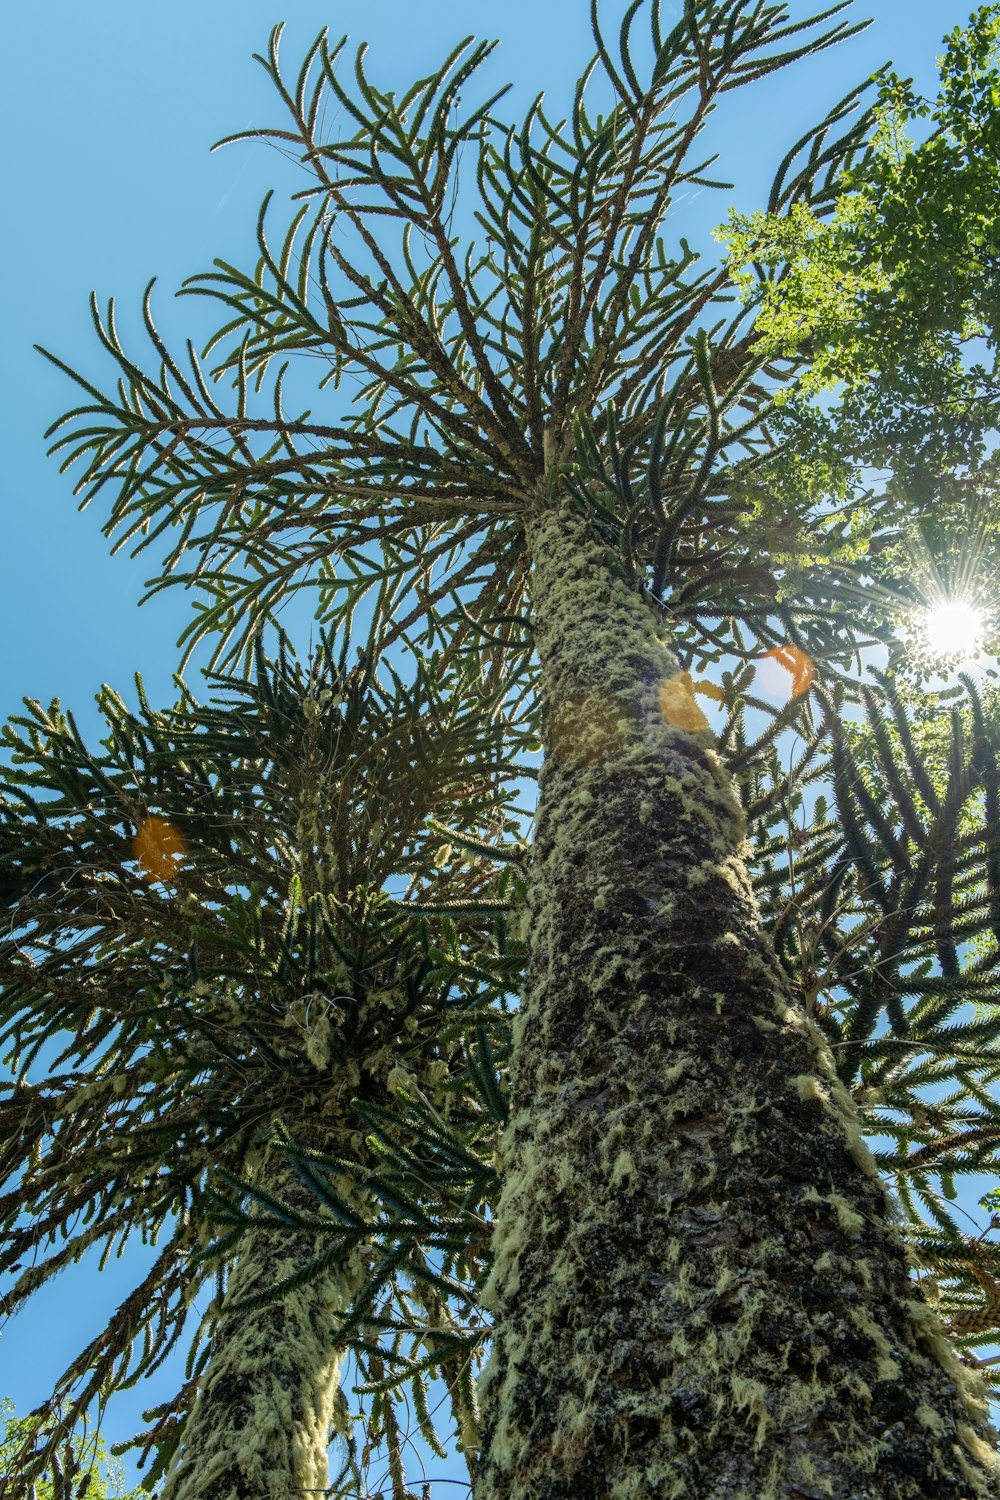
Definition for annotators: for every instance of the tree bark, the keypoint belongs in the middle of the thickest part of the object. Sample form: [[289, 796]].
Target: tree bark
[[698, 1286], [261, 1423]]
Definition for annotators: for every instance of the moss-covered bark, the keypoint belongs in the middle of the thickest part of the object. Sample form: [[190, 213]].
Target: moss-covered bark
[[262, 1420], [699, 1291]]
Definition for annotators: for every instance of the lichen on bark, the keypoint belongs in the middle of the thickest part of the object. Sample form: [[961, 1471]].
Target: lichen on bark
[[268, 1402], [699, 1289]]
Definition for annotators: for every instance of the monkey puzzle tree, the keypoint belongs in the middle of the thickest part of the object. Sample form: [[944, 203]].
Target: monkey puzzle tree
[[565, 440], [203, 952], [873, 856]]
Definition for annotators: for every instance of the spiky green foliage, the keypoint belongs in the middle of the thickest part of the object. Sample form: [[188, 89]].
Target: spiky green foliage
[[877, 868], [252, 972], [569, 337]]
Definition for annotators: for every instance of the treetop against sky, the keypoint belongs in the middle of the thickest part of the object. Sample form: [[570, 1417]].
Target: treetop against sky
[[131, 108]]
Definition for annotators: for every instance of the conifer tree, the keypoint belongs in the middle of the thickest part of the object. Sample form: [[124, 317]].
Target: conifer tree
[[883, 906], [203, 952], [569, 445]]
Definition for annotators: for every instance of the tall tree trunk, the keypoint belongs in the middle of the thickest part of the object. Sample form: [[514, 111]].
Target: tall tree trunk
[[698, 1287], [261, 1422]]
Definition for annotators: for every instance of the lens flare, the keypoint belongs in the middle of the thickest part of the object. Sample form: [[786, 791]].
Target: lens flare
[[954, 628], [158, 847], [585, 730], [678, 706], [796, 670]]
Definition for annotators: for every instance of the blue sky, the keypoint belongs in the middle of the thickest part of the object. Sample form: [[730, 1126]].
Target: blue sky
[[109, 181], [107, 113]]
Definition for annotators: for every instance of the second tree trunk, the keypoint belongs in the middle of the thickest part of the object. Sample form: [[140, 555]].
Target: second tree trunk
[[261, 1423]]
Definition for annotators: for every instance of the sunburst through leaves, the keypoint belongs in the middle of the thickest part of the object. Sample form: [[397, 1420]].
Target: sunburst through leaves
[[954, 628]]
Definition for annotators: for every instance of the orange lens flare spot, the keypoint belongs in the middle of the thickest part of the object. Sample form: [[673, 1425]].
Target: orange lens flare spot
[[158, 847], [586, 730], [677, 703], [797, 663]]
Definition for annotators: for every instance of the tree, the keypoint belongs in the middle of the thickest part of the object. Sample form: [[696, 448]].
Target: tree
[[840, 897], [894, 295], [104, 1479], [568, 445], [202, 944]]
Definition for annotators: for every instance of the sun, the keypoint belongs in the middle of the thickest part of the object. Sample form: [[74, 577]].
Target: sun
[[954, 628]]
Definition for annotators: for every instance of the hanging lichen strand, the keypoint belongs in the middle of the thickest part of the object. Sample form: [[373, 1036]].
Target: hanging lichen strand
[[699, 1291], [261, 1424]]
